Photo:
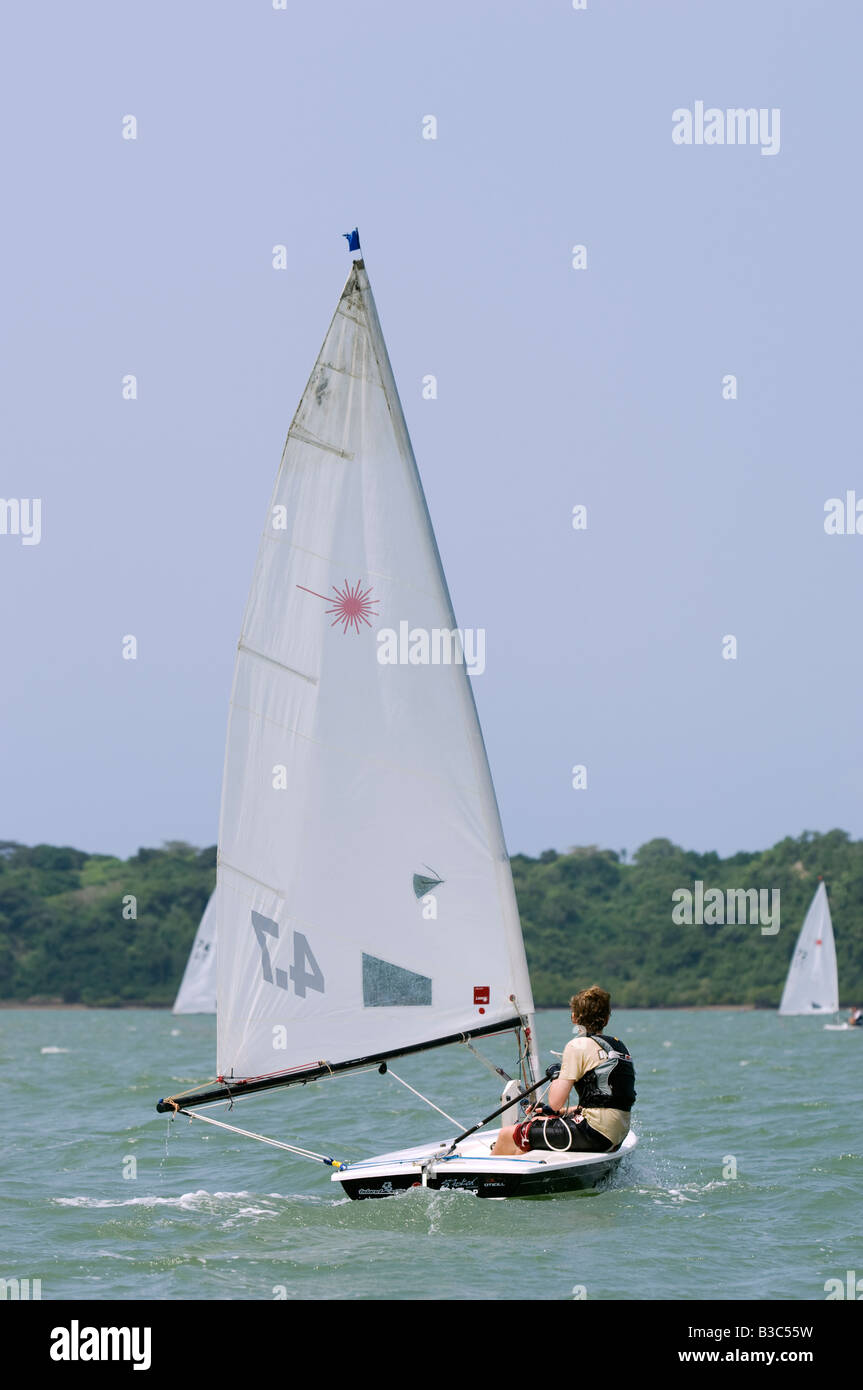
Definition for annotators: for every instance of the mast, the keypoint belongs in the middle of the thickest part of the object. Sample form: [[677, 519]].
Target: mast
[[505, 885]]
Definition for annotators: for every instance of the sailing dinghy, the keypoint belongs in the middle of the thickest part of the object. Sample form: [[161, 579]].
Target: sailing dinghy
[[197, 992], [812, 983], [354, 762]]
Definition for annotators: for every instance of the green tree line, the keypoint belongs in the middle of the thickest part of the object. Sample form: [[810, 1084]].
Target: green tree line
[[67, 931]]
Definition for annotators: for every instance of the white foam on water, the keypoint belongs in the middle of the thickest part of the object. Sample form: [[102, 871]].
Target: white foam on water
[[189, 1201], [196, 1201], [45, 1050]]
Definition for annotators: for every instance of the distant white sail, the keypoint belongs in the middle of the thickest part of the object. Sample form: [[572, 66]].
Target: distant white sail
[[346, 777], [812, 986], [197, 992]]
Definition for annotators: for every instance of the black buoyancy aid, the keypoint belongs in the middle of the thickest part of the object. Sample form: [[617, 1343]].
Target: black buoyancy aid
[[611, 1084]]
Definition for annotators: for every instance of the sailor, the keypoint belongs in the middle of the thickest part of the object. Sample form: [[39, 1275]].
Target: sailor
[[600, 1068], [856, 1019]]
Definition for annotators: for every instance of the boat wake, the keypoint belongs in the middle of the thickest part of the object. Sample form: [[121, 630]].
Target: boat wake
[[196, 1201]]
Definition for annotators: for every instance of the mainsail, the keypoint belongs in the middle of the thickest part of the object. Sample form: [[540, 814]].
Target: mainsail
[[344, 772], [812, 986], [197, 992]]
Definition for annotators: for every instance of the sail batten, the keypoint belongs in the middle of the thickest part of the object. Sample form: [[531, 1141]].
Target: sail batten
[[313, 680], [344, 772]]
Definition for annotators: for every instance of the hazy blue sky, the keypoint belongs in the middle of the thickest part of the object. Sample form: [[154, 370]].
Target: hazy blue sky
[[603, 386]]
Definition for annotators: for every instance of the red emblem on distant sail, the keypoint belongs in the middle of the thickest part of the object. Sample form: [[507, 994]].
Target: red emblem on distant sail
[[351, 606], [481, 994]]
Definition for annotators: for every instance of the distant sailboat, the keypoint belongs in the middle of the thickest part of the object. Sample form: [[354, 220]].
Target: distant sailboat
[[197, 992], [812, 985], [343, 774]]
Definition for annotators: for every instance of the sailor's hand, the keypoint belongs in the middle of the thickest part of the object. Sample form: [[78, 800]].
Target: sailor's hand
[[553, 1072]]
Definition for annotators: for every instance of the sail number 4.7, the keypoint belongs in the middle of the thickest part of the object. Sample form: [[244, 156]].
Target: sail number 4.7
[[304, 973]]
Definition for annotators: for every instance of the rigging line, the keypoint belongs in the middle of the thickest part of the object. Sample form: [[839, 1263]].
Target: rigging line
[[524, 1056], [391, 1073], [531, 1056], [486, 1061], [276, 1143]]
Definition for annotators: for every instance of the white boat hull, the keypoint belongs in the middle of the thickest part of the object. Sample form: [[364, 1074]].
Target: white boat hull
[[473, 1168]]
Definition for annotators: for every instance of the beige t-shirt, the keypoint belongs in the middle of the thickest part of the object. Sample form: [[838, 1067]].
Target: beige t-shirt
[[579, 1056]]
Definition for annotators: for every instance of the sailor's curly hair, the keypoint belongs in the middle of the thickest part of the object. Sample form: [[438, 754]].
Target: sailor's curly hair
[[591, 1008]]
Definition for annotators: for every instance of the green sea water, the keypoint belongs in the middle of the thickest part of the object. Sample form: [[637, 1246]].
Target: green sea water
[[102, 1198]]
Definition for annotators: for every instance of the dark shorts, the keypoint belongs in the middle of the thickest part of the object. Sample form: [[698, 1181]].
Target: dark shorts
[[560, 1136]]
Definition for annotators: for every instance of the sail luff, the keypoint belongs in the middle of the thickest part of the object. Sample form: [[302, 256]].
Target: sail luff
[[506, 888]]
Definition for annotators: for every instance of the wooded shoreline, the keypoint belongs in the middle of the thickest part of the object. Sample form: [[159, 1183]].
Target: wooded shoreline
[[90, 930]]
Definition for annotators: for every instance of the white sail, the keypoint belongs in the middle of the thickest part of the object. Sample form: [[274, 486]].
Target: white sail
[[197, 992], [812, 986], [347, 778]]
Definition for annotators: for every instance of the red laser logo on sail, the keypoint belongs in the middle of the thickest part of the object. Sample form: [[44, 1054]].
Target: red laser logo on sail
[[351, 607]]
